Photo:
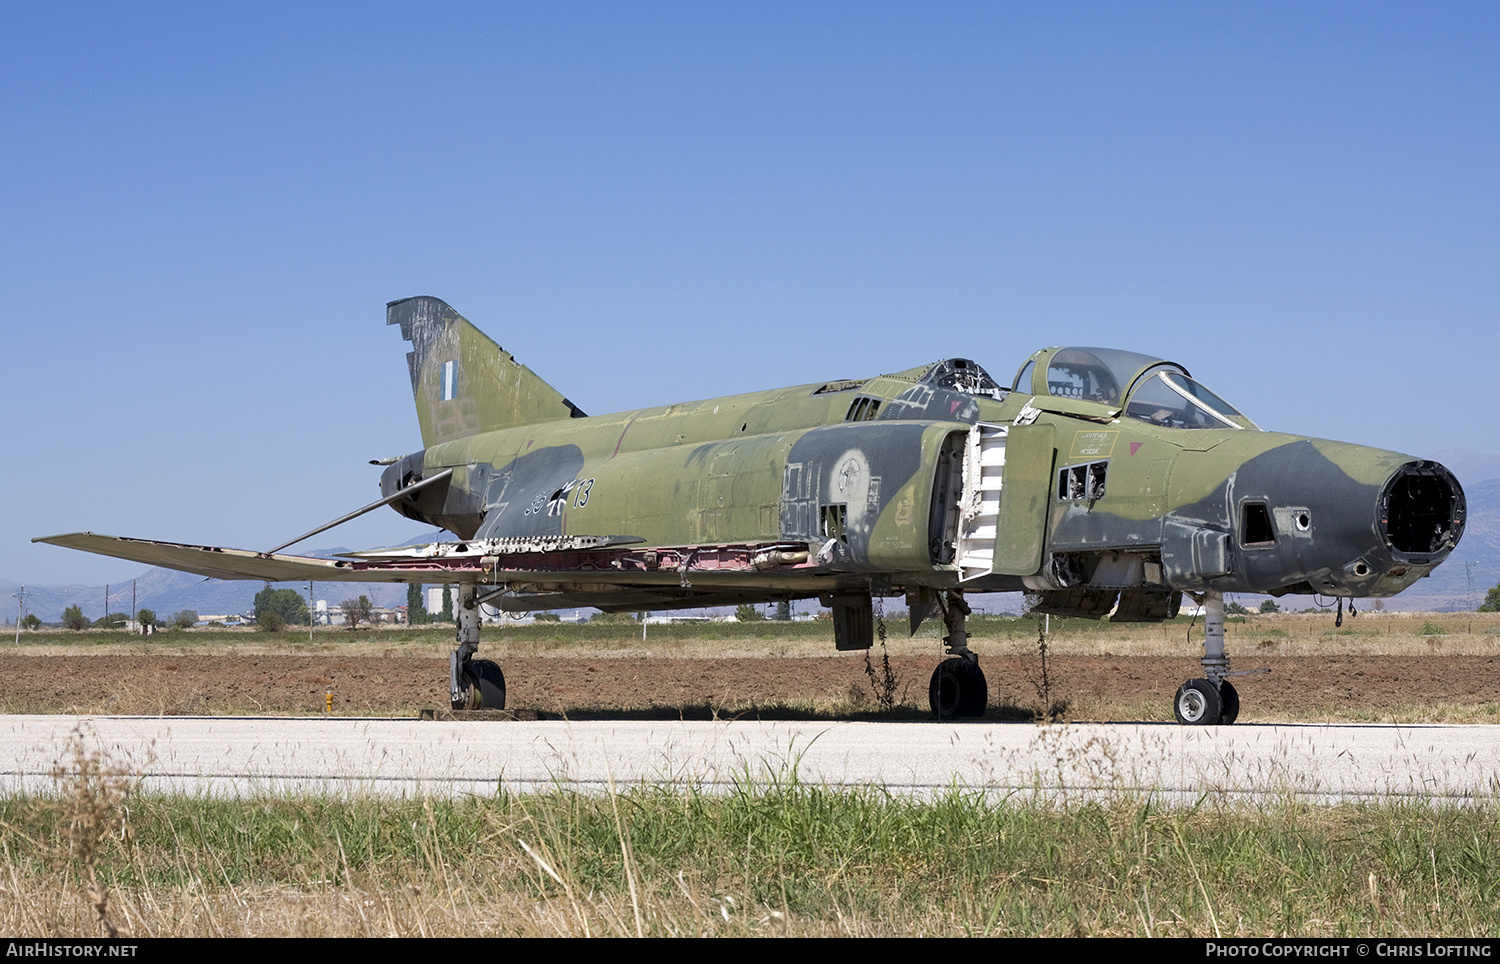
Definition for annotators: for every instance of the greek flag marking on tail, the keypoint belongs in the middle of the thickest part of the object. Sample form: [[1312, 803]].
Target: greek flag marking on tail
[[452, 361], [450, 377]]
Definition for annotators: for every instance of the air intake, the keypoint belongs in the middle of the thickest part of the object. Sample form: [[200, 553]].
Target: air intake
[[1422, 510]]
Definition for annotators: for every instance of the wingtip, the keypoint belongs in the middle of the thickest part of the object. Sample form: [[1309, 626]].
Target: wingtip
[[54, 540]]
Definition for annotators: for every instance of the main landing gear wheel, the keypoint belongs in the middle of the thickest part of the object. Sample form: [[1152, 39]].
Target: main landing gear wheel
[[958, 689], [488, 684], [474, 683], [1198, 703]]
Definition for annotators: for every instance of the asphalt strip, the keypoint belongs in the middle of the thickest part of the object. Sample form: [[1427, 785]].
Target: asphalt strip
[[1058, 763]]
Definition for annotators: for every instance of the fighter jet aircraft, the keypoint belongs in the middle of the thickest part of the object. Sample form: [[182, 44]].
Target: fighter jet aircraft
[[1101, 482]]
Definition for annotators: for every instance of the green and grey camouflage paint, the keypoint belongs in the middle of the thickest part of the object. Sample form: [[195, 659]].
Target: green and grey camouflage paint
[[869, 478], [1102, 482]]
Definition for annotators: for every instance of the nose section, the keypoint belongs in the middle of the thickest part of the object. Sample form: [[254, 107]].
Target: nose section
[[1311, 516], [1346, 543], [1421, 513]]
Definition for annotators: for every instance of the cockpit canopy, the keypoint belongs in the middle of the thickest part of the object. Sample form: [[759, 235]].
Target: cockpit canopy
[[1143, 387], [962, 375]]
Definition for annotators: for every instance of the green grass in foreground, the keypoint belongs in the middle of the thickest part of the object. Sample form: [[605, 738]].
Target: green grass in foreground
[[777, 859]]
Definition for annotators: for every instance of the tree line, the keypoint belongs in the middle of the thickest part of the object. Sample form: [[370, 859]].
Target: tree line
[[274, 609]]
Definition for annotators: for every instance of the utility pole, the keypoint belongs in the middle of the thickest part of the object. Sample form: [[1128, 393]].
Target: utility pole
[[20, 606]]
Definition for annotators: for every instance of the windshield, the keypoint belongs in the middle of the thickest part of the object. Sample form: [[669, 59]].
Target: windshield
[[1172, 399]]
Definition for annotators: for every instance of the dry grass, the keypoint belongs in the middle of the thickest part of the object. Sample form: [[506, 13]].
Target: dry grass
[[1284, 634], [778, 858]]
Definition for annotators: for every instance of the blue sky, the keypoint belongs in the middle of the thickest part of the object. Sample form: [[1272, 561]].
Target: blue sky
[[206, 206]]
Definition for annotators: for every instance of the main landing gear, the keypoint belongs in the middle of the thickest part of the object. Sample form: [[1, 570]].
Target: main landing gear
[[958, 687], [476, 683], [1214, 700]]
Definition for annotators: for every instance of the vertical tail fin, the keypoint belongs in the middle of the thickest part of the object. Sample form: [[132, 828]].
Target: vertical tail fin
[[462, 381]]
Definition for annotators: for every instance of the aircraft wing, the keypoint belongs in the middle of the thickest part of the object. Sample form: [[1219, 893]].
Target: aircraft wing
[[602, 571], [220, 563]]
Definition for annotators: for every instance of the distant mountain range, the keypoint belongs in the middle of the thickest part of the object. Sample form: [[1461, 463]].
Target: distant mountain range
[[1461, 582], [1458, 584], [1471, 468]]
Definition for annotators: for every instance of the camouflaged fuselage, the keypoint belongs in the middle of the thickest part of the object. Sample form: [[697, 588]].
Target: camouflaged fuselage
[[879, 480]]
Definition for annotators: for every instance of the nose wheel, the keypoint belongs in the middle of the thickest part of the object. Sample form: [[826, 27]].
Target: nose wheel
[[1199, 702], [1229, 702]]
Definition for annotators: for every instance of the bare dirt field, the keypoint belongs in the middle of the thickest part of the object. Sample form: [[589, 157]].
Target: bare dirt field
[[1420, 688]]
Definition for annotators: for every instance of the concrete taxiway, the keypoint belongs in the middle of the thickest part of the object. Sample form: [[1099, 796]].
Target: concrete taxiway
[[1173, 763]]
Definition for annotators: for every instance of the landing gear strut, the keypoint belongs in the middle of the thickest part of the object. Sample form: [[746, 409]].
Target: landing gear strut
[[1214, 700], [958, 687], [475, 683]]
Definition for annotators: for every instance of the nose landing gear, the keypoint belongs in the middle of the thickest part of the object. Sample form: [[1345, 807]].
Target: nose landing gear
[[1211, 701]]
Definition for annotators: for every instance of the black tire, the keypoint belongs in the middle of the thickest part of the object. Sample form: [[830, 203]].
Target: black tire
[[1229, 702], [1197, 703], [958, 689], [489, 683]]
